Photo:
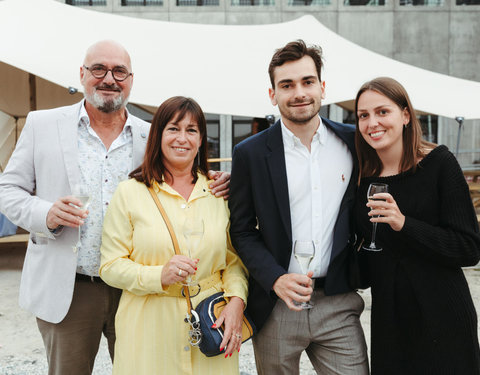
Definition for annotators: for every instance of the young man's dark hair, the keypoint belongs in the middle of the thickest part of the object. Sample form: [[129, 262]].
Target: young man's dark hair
[[294, 51]]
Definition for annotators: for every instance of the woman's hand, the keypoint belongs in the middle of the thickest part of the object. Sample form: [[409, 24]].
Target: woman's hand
[[388, 209], [177, 269], [232, 318]]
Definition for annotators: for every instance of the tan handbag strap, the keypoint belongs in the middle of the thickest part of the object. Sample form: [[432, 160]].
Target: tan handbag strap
[[174, 240]]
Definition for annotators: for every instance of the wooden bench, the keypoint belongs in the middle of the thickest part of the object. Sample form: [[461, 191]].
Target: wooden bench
[[16, 238]]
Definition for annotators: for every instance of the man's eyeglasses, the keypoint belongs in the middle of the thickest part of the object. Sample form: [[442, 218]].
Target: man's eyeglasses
[[99, 71]]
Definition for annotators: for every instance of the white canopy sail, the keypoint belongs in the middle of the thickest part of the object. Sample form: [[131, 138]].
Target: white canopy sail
[[224, 67]]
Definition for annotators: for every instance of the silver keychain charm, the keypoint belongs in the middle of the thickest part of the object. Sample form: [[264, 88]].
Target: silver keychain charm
[[194, 334]]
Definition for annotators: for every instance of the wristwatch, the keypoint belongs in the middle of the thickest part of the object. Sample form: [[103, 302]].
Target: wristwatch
[[56, 230]]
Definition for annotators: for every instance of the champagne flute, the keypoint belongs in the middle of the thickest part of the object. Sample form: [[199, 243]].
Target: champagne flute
[[193, 229], [304, 252], [81, 193], [373, 189]]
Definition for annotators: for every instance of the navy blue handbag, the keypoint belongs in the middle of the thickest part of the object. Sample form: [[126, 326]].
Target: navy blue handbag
[[208, 311]]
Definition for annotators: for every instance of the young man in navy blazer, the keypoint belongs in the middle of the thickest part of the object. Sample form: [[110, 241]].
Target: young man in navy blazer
[[296, 182]]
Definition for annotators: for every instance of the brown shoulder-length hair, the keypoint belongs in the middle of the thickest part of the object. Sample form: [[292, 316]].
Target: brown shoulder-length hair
[[173, 109], [414, 147], [294, 51]]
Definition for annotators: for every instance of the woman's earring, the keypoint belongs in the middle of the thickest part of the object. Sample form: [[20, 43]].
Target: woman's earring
[[405, 126]]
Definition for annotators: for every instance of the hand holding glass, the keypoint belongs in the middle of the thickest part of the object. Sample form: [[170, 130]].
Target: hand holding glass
[[81, 193], [304, 252], [193, 229], [373, 189]]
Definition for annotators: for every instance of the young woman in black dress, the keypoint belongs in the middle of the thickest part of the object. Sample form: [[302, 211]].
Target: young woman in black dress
[[423, 319]]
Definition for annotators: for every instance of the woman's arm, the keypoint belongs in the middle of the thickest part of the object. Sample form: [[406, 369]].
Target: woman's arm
[[235, 286], [117, 269], [454, 240], [235, 275]]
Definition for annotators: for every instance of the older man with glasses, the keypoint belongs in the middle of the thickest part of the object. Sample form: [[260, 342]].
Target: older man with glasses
[[89, 146]]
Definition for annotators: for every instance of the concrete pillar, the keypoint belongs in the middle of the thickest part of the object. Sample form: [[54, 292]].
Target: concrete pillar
[[336, 113], [440, 130], [225, 138]]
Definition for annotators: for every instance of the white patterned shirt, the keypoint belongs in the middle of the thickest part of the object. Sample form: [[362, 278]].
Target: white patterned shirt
[[101, 171], [317, 181]]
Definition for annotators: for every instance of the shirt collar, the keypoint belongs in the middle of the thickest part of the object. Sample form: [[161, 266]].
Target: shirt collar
[[200, 189], [291, 140], [84, 120]]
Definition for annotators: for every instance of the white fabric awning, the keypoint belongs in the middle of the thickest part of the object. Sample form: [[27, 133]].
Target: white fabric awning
[[223, 67]]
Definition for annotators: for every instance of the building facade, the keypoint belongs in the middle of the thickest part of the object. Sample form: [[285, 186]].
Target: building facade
[[438, 35]]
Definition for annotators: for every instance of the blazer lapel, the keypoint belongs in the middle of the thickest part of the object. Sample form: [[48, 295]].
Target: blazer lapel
[[278, 174], [342, 134], [68, 135], [351, 189]]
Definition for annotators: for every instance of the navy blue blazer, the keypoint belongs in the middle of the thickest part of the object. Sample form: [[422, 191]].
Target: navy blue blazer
[[260, 217]]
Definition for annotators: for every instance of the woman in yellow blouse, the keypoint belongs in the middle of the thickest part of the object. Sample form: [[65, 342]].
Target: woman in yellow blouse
[[138, 255]]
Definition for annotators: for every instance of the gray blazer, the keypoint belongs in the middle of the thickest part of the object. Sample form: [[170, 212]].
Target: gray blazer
[[43, 168]]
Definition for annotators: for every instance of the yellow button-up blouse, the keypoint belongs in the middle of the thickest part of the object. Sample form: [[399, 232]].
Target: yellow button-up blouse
[[152, 337]]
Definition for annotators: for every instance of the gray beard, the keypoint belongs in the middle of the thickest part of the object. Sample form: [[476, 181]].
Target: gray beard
[[107, 105]]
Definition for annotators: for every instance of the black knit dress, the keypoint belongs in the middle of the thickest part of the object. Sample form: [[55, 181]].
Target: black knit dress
[[423, 319]]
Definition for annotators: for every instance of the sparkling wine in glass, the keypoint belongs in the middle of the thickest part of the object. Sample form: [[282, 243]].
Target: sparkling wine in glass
[[81, 193], [304, 252], [193, 229], [373, 189]]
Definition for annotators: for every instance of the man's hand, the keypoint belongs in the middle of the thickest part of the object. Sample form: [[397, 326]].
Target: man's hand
[[221, 183], [63, 212], [294, 287]]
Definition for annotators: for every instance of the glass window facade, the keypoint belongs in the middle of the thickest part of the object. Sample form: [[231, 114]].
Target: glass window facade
[[429, 124], [86, 2], [468, 2], [244, 127], [213, 139], [198, 2], [253, 2], [309, 2], [430, 3], [348, 117], [364, 2], [142, 2]]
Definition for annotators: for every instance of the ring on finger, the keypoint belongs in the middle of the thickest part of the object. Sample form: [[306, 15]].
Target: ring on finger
[[179, 272], [238, 336]]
